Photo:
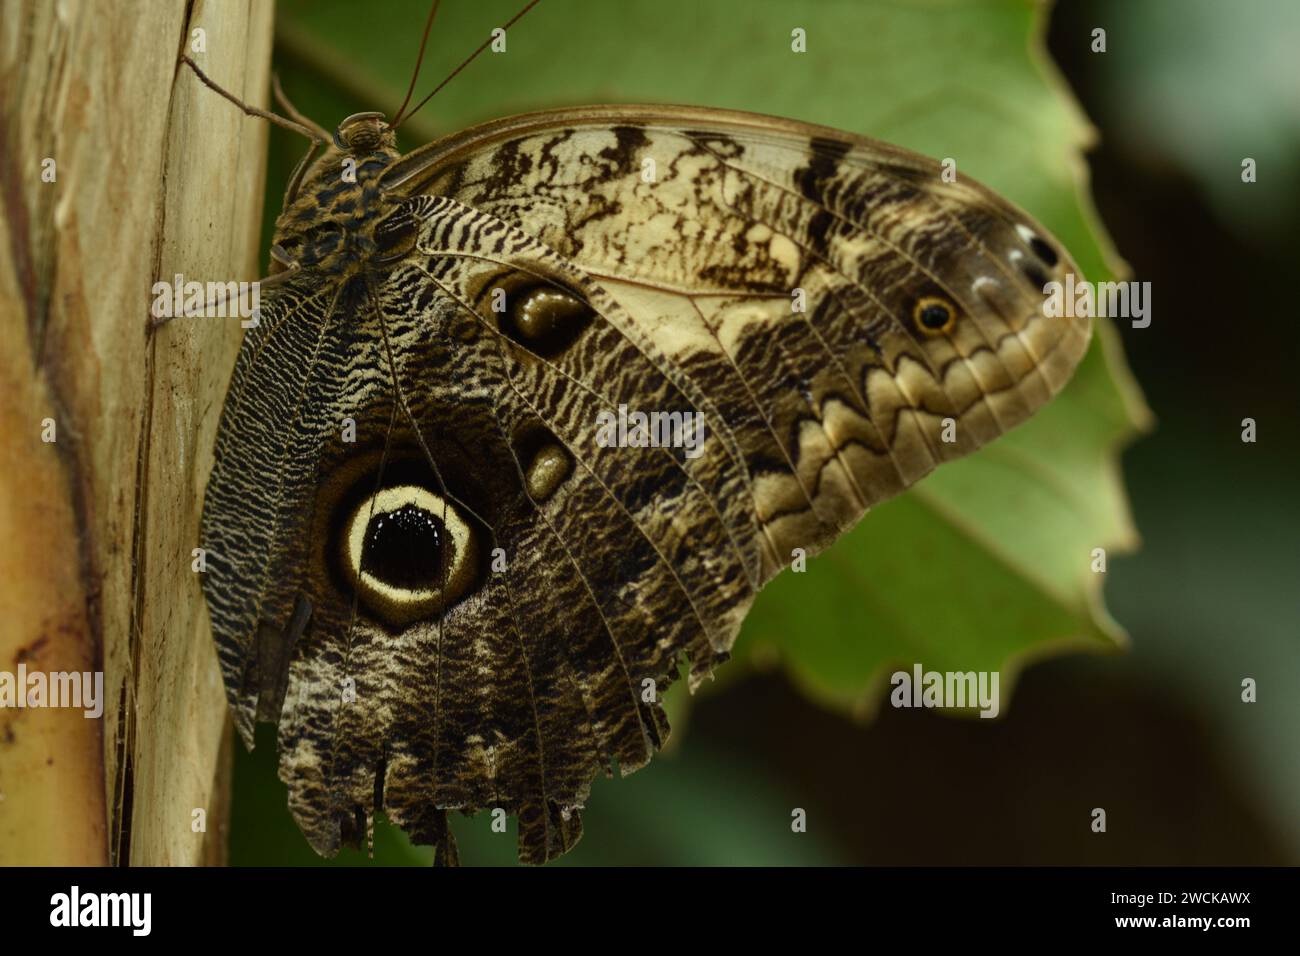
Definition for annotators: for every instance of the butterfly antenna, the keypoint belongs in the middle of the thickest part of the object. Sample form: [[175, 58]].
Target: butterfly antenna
[[397, 117], [251, 110], [468, 60]]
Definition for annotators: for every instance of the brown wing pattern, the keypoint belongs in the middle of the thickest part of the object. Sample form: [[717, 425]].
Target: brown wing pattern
[[472, 601]]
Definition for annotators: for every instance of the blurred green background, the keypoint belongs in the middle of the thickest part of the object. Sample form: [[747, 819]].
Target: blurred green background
[[1158, 734]]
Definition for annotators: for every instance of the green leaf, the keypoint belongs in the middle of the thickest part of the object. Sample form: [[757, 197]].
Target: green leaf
[[985, 564]]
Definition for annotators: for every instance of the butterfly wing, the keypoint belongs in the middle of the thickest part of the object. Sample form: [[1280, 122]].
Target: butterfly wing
[[703, 224], [476, 597]]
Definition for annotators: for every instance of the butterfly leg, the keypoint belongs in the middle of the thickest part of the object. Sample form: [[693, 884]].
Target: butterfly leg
[[295, 180], [323, 136], [250, 110], [288, 269]]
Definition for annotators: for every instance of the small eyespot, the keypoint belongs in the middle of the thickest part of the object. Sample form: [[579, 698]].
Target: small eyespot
[[545, 461], [933, 315], [1038, 245], [1037, 278], [550, 466], [545, 319], [395, 237], [1044, 251]]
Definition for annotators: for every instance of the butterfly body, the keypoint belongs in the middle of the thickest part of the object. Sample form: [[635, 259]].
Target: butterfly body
[[328, 225], [426, 562]]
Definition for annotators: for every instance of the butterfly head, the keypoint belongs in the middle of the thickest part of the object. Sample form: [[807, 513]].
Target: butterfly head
[[364, 133]]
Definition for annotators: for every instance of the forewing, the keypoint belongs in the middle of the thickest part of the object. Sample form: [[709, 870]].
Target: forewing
[[792, 273]]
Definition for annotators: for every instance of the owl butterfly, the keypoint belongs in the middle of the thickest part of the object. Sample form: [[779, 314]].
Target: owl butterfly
[[427, 562]]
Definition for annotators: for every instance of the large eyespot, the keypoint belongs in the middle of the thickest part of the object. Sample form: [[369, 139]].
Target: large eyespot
[[933, 315], [407, 552]]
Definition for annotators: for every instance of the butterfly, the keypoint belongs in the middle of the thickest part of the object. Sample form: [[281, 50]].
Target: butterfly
[[430, 559]]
